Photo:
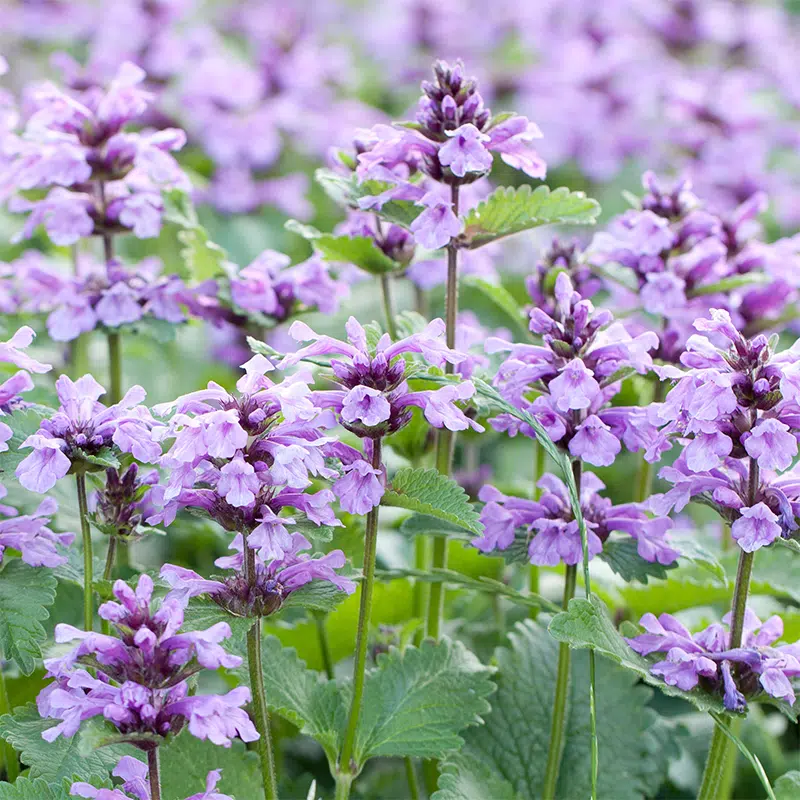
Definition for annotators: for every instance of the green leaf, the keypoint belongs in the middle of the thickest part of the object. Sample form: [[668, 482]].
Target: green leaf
[[426, 525], [588, 624], [787, 787], [508, 211], [728, 284], [316, 596], [23, 422], [25, 595], [202, 613], [105, 458], [506, 758], [501, 307], [693, 551], [27, 789], [185, 762], [416, 703], [359, 250], [429, 492], [55, 761], [722, 724], [622, 556]]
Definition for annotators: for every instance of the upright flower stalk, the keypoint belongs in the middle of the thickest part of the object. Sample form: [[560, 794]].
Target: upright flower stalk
[[86, 540]]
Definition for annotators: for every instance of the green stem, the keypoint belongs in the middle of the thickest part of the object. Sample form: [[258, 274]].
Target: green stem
[[388, 306], [362, 638], [154, 774], [344, 782], [445, 441], [722, 749], [115, 368], [646, 474], [260, 713], [9, 754], [539, 461], [558, 723], [413, 782], [86, 534], [324, 645], [421, 588], [111, 556]]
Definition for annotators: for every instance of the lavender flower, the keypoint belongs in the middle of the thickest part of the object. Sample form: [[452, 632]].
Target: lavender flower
[[99, 177], [706, 659], [29, 533], [141, 682], [81, 427], [735, 409], [567, 383], [136, 784], [552, 530]]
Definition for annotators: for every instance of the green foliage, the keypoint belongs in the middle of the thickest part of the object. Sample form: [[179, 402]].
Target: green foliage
[[787, 787], [426, 525], [359, 250], [506, 758], [508, 211], [202, 613], [622, 556], [185, 762], [495, 304], [23, 422], [105, 458], [25, 595], [429, 492], [55, 761], [315, 596], [588, 624], [27, 789]]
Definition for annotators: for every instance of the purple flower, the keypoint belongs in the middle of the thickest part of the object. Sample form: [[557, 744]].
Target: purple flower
[[465, 151], [83, 426], [437, 224], [706, 658], [755, 528], [552, 531], [218, 718], [30, 534], [360, 489]]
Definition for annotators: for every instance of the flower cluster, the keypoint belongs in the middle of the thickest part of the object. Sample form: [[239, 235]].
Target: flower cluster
[[736, 411], [108, 295], [99, 177], [82, 428], [552, 533], [567, 383], [141, 682], [707, 659], [136, 784]]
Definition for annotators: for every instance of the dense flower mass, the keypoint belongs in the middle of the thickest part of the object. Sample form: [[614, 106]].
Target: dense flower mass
[[141, 674], [551, 530], [82, 426], [707, 659], [99, 177], [736, 410], [567, 383]]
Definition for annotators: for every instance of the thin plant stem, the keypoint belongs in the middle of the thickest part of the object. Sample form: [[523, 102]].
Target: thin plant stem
[[722, 749], [362, 637], [539, 461], [421, 588], [646, 474], [110, 558], [86, 535], [558, 722], [445, 441], [79, 347], [255, 666], [324, 645], [154, 773], [8, 752], [413, 781], [114, 367], [388, 305]]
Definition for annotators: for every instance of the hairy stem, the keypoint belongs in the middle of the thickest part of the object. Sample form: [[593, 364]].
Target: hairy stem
[[324, 645], [445, 441], [388, 305], [111, 555], [260, 713], [362, 637], [722, 749], [86, 535], [154, 774], [539, 460], [9, 754], [411, 776], [115, 368], [558, 723], [421, 588]]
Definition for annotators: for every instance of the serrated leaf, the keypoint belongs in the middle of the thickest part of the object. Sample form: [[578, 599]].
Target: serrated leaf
[[185, 762], [203, 258], [105, 458], [429, 492], [506, 758], [23, 422], [416, 703], [25, 595], [37, 789], [426, 525], [787, 787], [588, 624], [316, 596], [55, 761], [621, 554], [692, 550], [503, 309], [508, 211], [202, 613], [359, 250]]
